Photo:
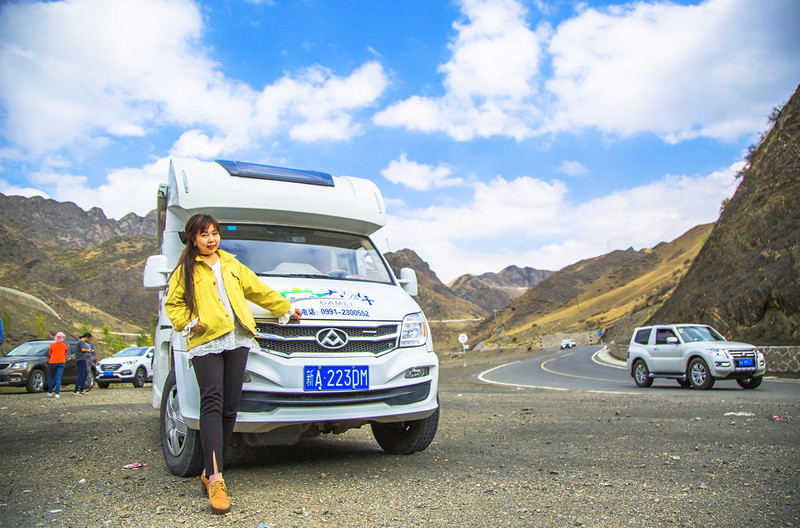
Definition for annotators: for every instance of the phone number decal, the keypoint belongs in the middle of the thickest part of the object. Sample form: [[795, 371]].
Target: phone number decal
[[343, 312]]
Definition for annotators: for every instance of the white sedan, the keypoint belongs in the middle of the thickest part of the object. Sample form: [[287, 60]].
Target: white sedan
[[129, 365]]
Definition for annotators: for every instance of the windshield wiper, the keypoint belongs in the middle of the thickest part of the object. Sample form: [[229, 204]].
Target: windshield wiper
[[302, 275]]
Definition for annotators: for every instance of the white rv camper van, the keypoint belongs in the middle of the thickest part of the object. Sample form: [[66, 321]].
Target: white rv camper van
[[362, 352]]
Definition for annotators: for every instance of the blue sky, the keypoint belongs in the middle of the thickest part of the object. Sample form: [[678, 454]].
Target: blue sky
[[526, 132]]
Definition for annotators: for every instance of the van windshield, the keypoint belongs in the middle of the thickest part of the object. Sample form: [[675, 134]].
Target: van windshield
[[279, 251], [692, 334]]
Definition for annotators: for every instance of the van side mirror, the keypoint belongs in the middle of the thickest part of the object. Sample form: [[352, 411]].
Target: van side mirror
[[672, 340], [408, 281], [156, 272]]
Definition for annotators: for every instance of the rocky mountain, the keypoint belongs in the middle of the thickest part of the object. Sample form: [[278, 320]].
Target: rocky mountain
[[84, 267], [436, 300], [746, 280], [494, 290], [49, 223], [595, 293]]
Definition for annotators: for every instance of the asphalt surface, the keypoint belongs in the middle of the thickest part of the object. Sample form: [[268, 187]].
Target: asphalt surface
[[503, 456], [588, 368]]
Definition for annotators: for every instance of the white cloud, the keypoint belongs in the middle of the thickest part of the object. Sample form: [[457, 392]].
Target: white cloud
[[419, 176], [572, 168], [489, 80], [318, 104], [124, 191], [91, 67], [80, 73], [708, 70], [522, 222]]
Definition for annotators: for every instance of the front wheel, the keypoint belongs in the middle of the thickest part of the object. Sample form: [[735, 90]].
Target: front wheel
[[749, 383], [405, 438], [36, 381], [179, 443], [699, 375], [641, 374], [139, 378]]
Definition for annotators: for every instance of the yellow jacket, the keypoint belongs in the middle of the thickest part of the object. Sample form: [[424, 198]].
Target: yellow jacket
[[240, 284]]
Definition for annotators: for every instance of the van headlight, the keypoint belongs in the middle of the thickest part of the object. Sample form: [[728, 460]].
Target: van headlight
[[19, 365], [414, 331]]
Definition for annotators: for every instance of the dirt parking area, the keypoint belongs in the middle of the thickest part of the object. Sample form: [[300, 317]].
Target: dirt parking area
[[502, 457]]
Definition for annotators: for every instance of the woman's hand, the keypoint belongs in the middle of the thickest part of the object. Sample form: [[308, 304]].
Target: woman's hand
[[297, 314], [198, 327]]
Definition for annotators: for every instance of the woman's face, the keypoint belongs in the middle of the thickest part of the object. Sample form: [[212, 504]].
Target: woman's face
[[207, 240]]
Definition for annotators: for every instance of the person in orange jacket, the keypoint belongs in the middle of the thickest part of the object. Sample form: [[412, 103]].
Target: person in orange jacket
[[58, 358]]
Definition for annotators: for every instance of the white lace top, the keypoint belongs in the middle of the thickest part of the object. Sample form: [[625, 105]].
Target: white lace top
[[239, 337]]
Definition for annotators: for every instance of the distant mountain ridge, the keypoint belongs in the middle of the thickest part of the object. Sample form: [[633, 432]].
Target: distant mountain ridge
[[494, 290], [63, 224], [85, 266], [595, 293]]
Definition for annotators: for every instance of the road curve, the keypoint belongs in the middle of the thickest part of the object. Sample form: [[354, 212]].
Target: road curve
[[587, 368]]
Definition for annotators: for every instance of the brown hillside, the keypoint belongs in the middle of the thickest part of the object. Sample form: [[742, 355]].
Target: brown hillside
[[435, 299], [90, 272], [494, 290], [449, 315], [746, 280], [595, 293]]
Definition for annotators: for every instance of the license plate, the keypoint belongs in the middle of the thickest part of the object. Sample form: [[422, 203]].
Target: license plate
[[335, 378], [746, 362], [108, 374]]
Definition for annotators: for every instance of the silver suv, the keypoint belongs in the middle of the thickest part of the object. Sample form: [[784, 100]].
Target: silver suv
[[694, 355]]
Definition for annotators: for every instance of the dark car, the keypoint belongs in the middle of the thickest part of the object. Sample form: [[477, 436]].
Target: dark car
[[26, 366]]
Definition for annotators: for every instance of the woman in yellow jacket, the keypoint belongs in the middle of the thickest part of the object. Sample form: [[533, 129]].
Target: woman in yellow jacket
[[206, 299]]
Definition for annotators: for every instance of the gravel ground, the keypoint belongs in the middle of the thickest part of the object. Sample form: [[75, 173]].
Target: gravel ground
[[502, 457]]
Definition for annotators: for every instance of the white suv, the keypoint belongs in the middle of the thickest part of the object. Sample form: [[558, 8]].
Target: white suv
[[694, 355], [129, 365], [567, 343]]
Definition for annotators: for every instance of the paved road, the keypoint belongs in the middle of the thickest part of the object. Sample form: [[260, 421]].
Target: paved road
[[503, 457], [587, 368]]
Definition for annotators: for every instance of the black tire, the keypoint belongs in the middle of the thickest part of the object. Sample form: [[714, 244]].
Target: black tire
[[699, 375], [684, 382], [180, 444], [37, 381], [641, 374], [89, 383], [102, 385], [405, 438], [139, 378], [749, 383]]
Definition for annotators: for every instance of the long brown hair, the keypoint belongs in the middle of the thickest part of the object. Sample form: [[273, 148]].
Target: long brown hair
[[194, 226]]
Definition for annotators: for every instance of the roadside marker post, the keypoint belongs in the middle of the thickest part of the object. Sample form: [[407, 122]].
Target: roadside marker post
[[462, 338]]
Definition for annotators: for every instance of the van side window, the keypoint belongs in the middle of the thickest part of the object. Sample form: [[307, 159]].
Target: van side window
[[642, 336], [662, 334]]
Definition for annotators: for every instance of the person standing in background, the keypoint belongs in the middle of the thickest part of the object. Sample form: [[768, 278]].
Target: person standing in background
[[58, 358], [87, 350], [80, 364], [2, 335]]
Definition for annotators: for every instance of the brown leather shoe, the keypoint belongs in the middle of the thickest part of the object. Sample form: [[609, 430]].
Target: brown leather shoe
[[204, 483], [218, 496]]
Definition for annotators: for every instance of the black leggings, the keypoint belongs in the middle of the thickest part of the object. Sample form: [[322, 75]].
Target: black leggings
[[220, 377]]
